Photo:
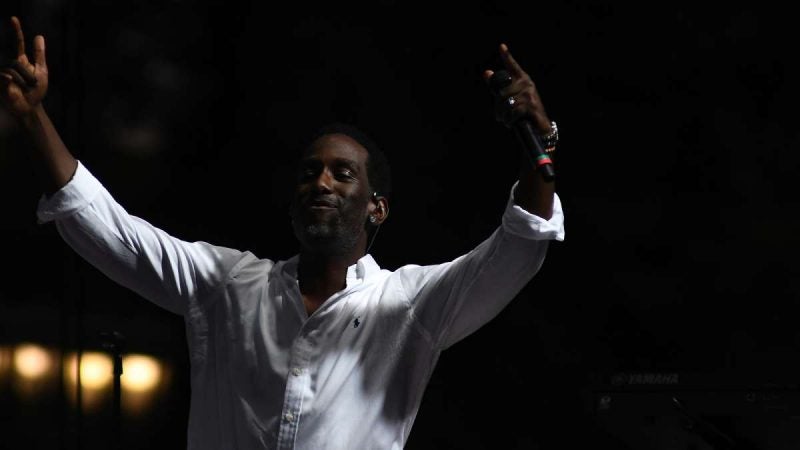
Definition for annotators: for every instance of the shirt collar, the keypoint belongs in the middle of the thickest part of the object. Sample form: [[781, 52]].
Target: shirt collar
[[362, 269], [356, 273]]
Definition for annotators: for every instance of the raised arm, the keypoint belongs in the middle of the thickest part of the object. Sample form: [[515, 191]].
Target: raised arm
[[453, 299], [23, 86], [533, 193], [175, 274]]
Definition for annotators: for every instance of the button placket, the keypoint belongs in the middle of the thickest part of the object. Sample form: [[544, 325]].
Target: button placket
[[293, 397]]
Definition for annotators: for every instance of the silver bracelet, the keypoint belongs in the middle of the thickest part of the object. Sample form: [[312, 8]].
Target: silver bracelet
[[550, 139]]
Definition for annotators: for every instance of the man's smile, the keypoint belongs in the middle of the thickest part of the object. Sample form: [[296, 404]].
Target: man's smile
[[323, 203]]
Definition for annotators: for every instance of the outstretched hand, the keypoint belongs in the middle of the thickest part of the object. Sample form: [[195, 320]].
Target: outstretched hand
[[520, 98], [23, 84]]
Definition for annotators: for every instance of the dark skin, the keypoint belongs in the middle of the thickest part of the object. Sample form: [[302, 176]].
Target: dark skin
[[333, 199], [330, 215], [533, 193], [23, 97]]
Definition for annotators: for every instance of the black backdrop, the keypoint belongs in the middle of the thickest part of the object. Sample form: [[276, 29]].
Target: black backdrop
[[675, 168]]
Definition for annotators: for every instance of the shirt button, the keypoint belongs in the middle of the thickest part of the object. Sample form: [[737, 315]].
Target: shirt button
[[296, 371], [289, 417]]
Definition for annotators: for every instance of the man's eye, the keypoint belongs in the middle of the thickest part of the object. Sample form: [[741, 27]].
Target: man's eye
[[344, 174]]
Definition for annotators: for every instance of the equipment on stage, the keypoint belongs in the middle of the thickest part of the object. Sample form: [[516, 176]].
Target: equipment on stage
[[722, 410]]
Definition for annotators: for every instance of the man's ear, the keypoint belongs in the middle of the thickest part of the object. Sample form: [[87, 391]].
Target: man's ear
[[379, 210]]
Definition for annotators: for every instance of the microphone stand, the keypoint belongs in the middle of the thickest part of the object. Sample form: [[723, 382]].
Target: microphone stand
[[114, 342], [704, 428]]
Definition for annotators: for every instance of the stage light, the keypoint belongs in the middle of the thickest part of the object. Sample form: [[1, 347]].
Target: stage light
[[143, 379], [31, 361], [34, 372], [140, 373], [97, 370], [5, 362]]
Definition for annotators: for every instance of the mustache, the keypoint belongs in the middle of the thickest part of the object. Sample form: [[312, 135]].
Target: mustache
[[322, 200]]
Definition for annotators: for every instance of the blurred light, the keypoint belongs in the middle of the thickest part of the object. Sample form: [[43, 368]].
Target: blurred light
[[143, 140], [34, 373], [140, 373], [32, 361], [143, 379], [97, 370], [96, 376], [5, 362]]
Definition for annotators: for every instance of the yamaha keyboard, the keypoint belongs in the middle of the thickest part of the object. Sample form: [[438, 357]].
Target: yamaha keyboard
[[684, 410], [701, 393]]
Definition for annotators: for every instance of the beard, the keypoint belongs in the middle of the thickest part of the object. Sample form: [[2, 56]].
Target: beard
[[333, 235]]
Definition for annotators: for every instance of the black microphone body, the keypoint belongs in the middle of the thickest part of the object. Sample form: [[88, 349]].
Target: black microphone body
[[525, 132]]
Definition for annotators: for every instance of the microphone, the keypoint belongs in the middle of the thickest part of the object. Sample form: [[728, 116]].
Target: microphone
[[523, 129]]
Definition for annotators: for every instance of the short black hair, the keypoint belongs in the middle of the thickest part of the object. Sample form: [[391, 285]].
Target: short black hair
[[379, 173]]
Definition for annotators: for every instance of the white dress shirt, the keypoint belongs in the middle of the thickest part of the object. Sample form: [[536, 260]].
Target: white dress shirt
[[265, 374]]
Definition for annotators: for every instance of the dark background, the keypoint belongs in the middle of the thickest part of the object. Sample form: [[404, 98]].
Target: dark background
[[676, 169]]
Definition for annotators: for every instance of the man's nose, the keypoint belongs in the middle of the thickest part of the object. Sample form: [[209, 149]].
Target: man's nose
[[324, 181]]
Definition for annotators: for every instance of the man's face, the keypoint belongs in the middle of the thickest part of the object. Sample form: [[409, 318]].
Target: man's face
[[330, 205]]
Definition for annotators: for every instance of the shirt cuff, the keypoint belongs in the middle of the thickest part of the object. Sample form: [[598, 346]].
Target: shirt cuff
[[520, 222], [71, 198]]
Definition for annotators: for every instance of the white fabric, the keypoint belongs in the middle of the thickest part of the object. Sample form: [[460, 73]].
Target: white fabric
[[266, 375]]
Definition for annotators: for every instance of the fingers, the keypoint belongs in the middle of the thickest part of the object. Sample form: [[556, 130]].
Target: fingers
[[38, 52], [14, 76], [510, 63], [5, 82], [19, 68], [20, 37], [5, 87]]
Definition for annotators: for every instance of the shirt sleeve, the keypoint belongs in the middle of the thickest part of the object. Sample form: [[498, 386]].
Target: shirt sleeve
[[454, 299], [163, 269]]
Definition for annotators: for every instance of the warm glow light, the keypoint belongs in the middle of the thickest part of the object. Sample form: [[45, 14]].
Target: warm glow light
[[97, 370], [143, 377], [5, 361], [32, 361], [140, 373], [5, 358]]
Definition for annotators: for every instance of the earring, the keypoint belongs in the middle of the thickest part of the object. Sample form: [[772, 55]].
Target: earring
[[372, 219]]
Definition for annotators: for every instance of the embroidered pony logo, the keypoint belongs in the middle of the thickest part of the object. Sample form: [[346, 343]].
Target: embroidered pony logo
[[356, 323]]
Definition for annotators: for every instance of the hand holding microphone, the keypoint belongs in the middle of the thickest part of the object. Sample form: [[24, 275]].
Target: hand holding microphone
[[519, 107]]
